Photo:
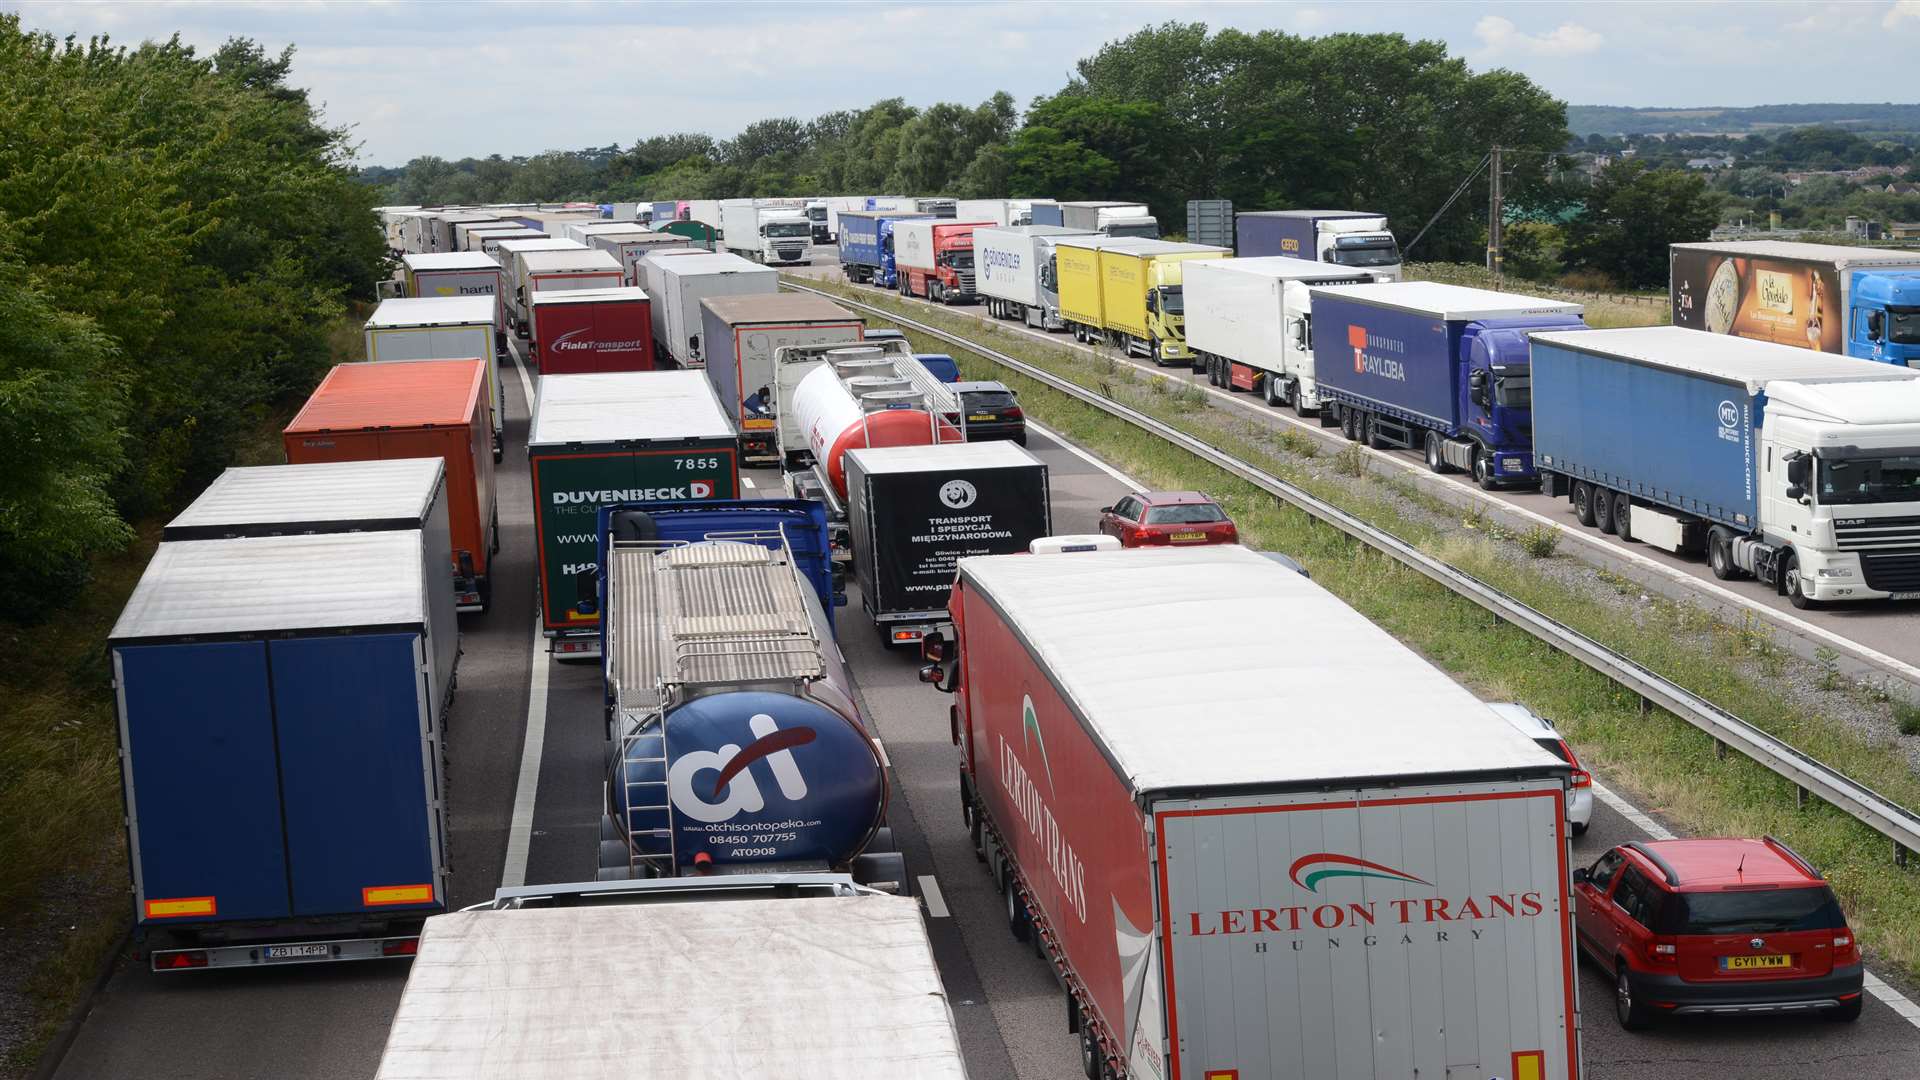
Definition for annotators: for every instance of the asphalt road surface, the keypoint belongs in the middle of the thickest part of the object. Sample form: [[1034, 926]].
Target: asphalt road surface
[[331, 1020], [1890, 629]]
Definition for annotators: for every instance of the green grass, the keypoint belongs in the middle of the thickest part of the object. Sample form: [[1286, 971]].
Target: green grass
[[60, 812], [1670, 765]]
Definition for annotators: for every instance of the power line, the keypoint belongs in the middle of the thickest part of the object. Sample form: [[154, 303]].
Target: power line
[[1451, 199]]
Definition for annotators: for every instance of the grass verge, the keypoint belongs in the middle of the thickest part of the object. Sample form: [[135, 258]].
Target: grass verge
[[1669, 763], [65, 883]]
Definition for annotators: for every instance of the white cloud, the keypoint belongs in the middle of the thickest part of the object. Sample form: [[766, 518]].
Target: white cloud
[[1498, 35], [1900, 12]]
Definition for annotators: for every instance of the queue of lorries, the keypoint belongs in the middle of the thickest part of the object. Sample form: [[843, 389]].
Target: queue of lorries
[[1236, 864]]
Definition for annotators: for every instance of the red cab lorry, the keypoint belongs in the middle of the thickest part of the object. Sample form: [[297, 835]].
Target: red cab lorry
[[1294, 851], [588, 330], [934, 259], [427, 408]]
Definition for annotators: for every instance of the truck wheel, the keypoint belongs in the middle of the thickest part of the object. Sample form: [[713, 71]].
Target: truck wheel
[[1720, 553], [1019, 923], [1582, 499], [1790, 584], [1483, 469], [1347, 418], [1090, 1059], [1374, 438], [1603, 509], [1623, 515]]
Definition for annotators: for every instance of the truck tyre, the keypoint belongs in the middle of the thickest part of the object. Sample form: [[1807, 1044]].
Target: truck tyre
[[1374, 439], [1790, 584], [1582, 499], [1622, 515], [1483, 469], [1019, 924], [1720, 553], [1347, 418], [1297, 398], [1435, 462], [1603, 509], [1090, 1057]]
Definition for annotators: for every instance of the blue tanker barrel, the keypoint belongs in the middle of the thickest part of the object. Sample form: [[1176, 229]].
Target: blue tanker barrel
[[763, 777]]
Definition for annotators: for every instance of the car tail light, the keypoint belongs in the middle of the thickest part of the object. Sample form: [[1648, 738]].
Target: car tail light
[[178, 961], [1845, 951], [1581, 777], [906, 636], [1662, 952], [1015, 413]]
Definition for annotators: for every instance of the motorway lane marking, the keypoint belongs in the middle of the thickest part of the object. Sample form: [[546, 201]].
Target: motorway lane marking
[[1085, 456], [747, 483], [1886, 995], [520, 833], [1792, 623], [930, 892]]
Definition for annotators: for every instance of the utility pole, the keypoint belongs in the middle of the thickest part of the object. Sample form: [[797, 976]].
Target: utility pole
[[1494, 210]]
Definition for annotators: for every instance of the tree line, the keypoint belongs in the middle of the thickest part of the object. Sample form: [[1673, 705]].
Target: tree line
[[179, 236]]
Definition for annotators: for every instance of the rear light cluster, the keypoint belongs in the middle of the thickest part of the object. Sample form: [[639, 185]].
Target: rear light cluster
[[1581, 777], [400, 947], [1845, 949], [1665, 953], [1015, 413], [574, 646], [180, 961]]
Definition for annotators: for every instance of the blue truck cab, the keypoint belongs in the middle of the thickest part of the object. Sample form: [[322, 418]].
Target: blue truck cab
[[1885, 320], [1441, 369], [866, 245]]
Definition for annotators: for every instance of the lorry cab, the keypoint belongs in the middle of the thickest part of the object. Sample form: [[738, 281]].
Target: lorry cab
[[1370, 248], [1884, 324], [784, 235], [1497, 393]]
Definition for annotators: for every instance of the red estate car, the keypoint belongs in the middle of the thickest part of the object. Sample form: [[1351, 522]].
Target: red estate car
[[1158, 518], [1716, 926]]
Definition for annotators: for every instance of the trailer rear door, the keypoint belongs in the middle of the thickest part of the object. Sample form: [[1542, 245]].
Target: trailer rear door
[[1421, 932]]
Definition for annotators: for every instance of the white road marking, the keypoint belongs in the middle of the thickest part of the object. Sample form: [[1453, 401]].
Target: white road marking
[[1886, 995], [526, 382], [747, 483], [520, 833], [880, 749], [930, 892], [1789, 622], [1083, 455]]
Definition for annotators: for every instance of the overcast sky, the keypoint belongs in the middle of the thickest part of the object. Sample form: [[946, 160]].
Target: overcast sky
[[470, 78]]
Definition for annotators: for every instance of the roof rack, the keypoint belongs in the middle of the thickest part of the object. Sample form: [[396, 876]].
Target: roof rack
[[1653, 857], [1791, 856]]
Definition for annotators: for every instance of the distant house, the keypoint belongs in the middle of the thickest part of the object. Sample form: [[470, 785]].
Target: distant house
[[1724, 161], [1902, 187], [1903, 230]]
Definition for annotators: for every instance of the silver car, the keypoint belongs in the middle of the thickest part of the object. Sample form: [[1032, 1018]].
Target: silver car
[[1541, 730]]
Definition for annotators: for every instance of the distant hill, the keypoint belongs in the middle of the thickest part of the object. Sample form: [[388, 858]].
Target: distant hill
[[1584, 120]]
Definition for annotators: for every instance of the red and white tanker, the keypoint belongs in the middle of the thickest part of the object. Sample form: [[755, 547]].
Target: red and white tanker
[[834, 418]]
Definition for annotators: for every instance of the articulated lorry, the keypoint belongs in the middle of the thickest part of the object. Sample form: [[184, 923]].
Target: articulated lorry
[[799, 976], [444, 328], [281, 704], [1345, 237], [1294, 851], [1105, 218], [600, 439], [433, 409], [1126, 292], [867, 243], [677, 283], [1437, 368], [1800, 469], [914, 512], [745, 333], [765, 234], [1250, 325], [934, 259], [1854, 301], [1014, 270]]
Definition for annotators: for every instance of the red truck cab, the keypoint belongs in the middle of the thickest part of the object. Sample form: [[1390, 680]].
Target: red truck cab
[[950, 278]]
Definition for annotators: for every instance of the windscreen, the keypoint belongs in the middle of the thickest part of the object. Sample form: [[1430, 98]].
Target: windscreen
[[1513, 391], [789, 228], [1903, 325], [1751, 911], [1150, 232], [1173, 302], [1852, 481], [1185, 514], [1382, 252], [987, 400]]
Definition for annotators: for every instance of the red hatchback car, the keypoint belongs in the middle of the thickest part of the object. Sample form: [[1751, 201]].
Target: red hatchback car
[[1716, 926], [1161, 518]]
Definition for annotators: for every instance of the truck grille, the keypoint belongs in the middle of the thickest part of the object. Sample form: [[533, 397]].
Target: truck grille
[[1892, 573], [966, 281], [1876, 534], [792, 252]]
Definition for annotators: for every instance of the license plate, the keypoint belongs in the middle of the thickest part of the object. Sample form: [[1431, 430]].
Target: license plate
[[1904, 596], [1754, 963], [1180, 536], [295, 952], [976, 417]]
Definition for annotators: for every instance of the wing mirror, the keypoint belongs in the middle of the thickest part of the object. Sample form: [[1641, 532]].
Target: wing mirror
[[1581, 875], [1477, 387], [586, 587], [933, 648], [1106, 509]]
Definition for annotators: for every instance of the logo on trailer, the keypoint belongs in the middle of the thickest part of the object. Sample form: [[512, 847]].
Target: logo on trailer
[[1030, 725], [1323, 865], [1729, 417], [570, 342], [958, 494], [733, 788], [1366, 354]]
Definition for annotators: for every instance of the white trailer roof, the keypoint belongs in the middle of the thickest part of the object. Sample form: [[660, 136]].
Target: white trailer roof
[[626, 405], [450, 260], [549, 243], [829, 988], [342, 491], [1279, 267], [264, 584], [1790, 249], [589, 296], [1739, 361], [432, 311], [1893, 403], [1032, 230], [712, 262], [1449, 302], [1217, 667], [575, 258], [997, 454]]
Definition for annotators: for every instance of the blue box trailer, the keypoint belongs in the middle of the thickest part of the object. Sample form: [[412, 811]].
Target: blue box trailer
[[281, 748], [866, 244], [1437, 368]]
